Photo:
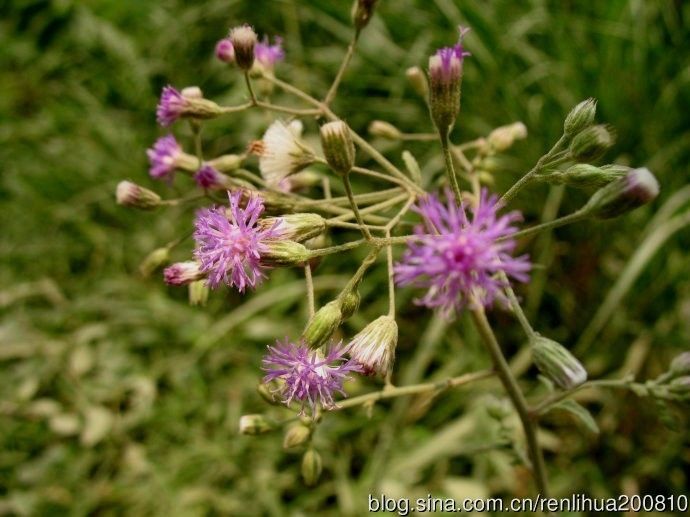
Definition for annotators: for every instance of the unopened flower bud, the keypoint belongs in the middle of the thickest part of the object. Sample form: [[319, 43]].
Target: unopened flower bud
[[297, 227], [584, 175], [243, 39], [183, 273], [362, 11], [350, 303], [580, 117], [154, 260], [374, 346], [591, 143], [445, 78], [681, 386], [557, 364], [198, 292], [384, 130], [227, 162], [225, 51], [323, 324], [284, 253], [254, 424], [498, 409], [337, 145], [311, 467], [503, 137], [680, 365], [418, 81], [638, 187], [192, 92], [296, 435], [136, 196], [412, 167]]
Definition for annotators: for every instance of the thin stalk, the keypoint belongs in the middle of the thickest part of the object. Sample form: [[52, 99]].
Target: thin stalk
[[235, 109], [561, 221], [310, 289], [527, 178], [285, 109], [375, 208], [250, 89], [546, 404], [418, 137], [516, 307], [385, 177], [391, 279], [334, 223], [341, 71], [355, 208], [515, 394], [414, 389], [450, 169]]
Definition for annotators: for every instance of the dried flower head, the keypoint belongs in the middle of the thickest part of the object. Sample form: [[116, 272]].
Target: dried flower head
[[309, 377], [229, 244], [283, 152], [243, 39], [458, 257]]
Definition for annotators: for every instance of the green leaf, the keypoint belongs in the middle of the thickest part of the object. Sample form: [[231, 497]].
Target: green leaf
[[582, 415]]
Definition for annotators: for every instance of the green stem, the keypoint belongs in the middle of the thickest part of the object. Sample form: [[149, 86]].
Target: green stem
[[546, 404], [355, 208], [527, 178], [250, 89], [450, 169], [341, 71], [414, 389], [562, 221], [516, 396], [310, 289]]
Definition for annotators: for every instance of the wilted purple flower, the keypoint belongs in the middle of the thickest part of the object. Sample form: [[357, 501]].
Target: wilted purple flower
[[458, 258], [206, 176], [267, 54], [229, 250], [171, 105], [225, 51], [162, 157], [308, 376]]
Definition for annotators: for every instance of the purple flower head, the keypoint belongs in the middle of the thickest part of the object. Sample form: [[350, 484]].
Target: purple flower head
[[206, 176], [162, 157], [308, 376], [446, 64], [171, 105], [229, 249], [458, 257], [225, 51], [268, 54]]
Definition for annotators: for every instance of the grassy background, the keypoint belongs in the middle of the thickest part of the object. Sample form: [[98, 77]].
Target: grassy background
[[116, 396]]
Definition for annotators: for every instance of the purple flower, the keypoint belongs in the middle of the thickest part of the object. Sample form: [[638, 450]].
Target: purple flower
[[225, 51], [162, 157], [458, 258], [268, 54], [171, 105], [206, 176], [229, 249], [308, 376], [446, 64]]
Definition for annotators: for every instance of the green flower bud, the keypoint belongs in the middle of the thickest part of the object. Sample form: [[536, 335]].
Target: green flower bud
[[337, 145], [135, 196], [362, 11], [584, 175], [225, 163], [418, 81], [296, 435], [681, 387], [243, 40], [591, 143], [297, 227], [580, 117], [323, 324], [412, 167], [311, 467], [636, 188], [680, 366], [284, 253], [384, 130], [198, 292], [349, 303], [557, 363], [502, 138], [154, 260], [254, 424]]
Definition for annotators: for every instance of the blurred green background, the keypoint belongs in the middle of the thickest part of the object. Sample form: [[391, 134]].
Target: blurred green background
[[117, 397]]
